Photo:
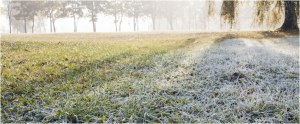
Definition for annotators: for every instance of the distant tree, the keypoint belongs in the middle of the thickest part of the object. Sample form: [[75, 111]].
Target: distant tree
[[152, 9], [134, 9], [8, 10], [115, 9], [94, 8], [122, 11], [170, 11], [26, 10], [60, 12], [73, 9], [51, 9], [47, 11]]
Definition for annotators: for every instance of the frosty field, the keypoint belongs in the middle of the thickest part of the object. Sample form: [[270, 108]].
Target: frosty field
[[166, 77]]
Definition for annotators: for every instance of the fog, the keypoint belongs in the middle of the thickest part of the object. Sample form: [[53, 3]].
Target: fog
[[105, 23]]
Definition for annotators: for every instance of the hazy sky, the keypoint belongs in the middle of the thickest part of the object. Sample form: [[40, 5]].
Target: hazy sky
[[105, 23]]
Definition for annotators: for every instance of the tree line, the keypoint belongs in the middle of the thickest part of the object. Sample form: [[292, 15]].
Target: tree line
[[187, 11], [28, 10]]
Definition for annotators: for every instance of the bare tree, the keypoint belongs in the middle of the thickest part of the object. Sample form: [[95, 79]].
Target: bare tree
[[135, 10], [170, 11], [26, 10], [94, 8], [116, 10], [73, 9], [8, 11], [152, 9]]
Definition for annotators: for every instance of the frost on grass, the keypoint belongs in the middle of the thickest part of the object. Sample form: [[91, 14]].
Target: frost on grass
[[237, 80]]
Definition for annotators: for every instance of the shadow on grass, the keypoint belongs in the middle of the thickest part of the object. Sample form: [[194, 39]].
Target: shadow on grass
[[255, 35], [105, 72], [261, 68], [95, 72]]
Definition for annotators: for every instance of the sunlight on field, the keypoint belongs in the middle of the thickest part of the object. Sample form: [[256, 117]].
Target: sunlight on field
[[150, 77]]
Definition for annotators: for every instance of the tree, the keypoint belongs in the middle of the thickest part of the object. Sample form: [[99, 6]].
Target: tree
[[291, 13], [94, 8], [26, 11], [264, 12], [116, 9], [60, 12], [170, 11], [121, 9], [152, 9], [52, 9], [73, 9], [135, 10], [8, 10]]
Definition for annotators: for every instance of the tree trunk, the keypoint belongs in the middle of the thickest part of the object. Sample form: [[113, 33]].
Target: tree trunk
[[9, 14], [290, 20], [17, 27], [116, 16], [94, 26], [116, 25], [50, 23], [32, 24], [120, 22], [53, 26], [153, 21], [75, 27], [9, 23], [25, 25], [93, 21]]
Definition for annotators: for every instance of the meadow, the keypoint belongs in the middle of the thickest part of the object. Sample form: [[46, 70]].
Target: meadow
[[145, 77]]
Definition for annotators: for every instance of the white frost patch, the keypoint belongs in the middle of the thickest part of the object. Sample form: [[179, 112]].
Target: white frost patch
[[196, 86]]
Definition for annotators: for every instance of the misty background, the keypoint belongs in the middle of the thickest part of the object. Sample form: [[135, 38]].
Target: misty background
[[131, 15]]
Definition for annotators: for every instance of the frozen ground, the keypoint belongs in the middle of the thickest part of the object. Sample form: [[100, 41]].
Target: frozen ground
[[236, 80]]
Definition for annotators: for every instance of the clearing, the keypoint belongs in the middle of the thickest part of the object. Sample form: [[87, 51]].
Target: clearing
[[166, 77]]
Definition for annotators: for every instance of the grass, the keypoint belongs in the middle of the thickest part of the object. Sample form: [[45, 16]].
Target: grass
[[137, 77]]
